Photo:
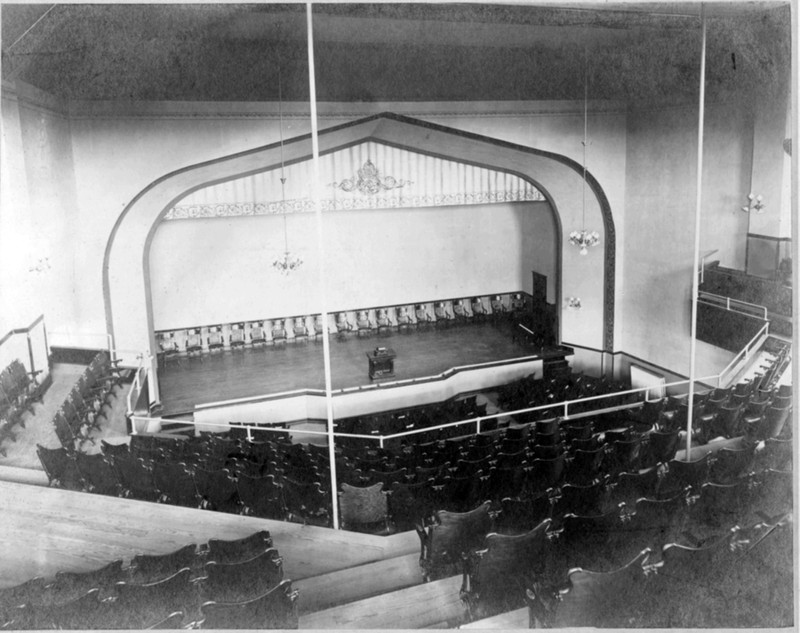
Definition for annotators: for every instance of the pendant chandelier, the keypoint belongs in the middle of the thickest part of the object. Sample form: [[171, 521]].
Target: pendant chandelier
[[288, 262], [584, 239]]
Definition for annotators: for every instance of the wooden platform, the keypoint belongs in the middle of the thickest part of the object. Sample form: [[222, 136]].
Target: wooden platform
[[266, 370], [418, 607], [45, 530]]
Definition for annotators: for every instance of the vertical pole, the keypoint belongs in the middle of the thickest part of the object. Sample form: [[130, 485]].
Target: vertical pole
[[30, 354], [795, 210], [326, 349], [693, 341]]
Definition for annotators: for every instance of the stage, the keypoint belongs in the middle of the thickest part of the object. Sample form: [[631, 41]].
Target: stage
[[245, 373]]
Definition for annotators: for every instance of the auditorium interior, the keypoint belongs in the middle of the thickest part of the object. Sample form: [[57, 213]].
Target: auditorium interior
[[423, 315]]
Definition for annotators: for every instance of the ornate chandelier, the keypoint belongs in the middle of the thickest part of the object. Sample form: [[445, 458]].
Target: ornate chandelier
[[584, 239], [288, 262]]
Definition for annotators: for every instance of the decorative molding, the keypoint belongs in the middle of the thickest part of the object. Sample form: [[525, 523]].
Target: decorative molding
[[306, 205], [368, 181]]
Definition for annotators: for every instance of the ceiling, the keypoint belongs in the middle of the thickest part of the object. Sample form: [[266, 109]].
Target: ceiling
[[637, 52]]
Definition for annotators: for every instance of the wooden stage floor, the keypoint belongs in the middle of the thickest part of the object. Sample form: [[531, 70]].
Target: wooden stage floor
[[266, 370]]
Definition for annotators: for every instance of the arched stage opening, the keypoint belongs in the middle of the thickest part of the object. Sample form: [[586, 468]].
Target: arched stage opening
[[127, 276]]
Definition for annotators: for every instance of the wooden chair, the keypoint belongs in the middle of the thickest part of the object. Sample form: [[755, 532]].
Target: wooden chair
[[443, 317], [216, 489], [239, 550], [242, 581], [495, 575], [261, 497], [98, 474], [215, 339], [147, 569], [258, 335], [609, 599], [276, 609], [448, 536], [364, 509], [61, 468]]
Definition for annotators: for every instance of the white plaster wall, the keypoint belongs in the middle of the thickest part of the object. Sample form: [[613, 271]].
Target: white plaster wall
[[205, 271], [659, 223], [41, 254], [119, 152]]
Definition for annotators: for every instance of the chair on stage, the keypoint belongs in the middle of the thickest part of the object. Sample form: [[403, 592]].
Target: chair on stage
[[215, 340], [237, 336], [168, 348], [460, 313], [404, 319], [343, 326], [443, 317], [499, 310], [364, 327], [278, 333], [479, 312], [257, 334], [423, 318], [517, 304], [319, 330], [300, 330], [384, 322], [194, 342]]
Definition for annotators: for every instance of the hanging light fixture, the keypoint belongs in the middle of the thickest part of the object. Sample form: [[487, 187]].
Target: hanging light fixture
[[288, 262], [584, 239], [755, 204]]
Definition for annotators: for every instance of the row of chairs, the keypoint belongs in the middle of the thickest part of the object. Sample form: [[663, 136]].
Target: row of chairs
[[19, 391], [653, 586], [730, 412], [206, 586], [88, 403], [530, 391], [197, 341], [275, 496], [496, 567], [416, 417]]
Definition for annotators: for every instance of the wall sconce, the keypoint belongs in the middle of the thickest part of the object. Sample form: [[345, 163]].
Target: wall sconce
[[41, 266], [574, 303], [754, 204]]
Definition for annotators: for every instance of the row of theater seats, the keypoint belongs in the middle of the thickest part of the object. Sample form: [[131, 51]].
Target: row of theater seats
[[19, 391], [222, 584], [412, 418], [500, 560], [531, 466], [533, 392], [383, 320], [88, 402], [731, 412]]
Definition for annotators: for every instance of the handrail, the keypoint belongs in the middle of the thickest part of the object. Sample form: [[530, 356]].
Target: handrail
[[730, 302], [22, 330], [762, 332], [27, 332]]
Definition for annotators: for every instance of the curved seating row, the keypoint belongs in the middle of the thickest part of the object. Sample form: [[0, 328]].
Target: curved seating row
[[193, 586], [19, 391]]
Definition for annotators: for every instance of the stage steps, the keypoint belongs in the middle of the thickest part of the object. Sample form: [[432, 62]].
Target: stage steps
[[516, 619], [434, 604], [357, 583]]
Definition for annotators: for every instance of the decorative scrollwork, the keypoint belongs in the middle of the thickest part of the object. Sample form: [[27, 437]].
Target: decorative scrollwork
[[369, 181]]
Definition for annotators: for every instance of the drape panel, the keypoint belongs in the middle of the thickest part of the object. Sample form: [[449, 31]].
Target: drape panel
[[366, 176]]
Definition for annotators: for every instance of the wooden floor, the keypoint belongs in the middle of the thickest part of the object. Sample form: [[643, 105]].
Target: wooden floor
[[266, 370], [45, 530]]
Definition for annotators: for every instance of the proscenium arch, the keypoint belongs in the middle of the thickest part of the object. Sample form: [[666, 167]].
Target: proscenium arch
[[126, 286]]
